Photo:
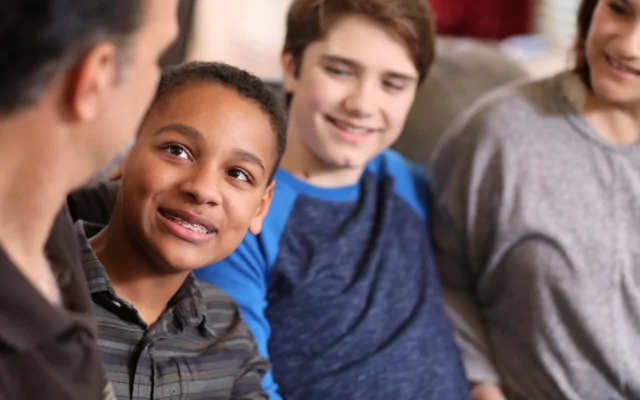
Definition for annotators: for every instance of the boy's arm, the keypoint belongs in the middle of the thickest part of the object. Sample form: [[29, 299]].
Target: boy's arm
[[243, 276]]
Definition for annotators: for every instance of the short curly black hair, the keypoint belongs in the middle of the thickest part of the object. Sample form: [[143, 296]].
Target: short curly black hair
[[247, 85]]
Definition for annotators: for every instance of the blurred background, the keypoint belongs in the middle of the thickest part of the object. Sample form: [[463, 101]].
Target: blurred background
[[482, 44]]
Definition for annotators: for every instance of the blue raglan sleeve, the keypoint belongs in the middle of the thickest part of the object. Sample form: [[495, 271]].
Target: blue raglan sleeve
[[244, 276], [411, 182]]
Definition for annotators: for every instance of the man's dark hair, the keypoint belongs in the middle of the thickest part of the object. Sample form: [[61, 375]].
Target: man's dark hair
[[245, 84], [40, 38]]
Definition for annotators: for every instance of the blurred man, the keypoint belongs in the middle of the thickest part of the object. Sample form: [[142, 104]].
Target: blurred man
[[76, 79]]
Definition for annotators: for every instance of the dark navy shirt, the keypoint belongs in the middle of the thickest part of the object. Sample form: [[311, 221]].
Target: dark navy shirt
[[341, 291]]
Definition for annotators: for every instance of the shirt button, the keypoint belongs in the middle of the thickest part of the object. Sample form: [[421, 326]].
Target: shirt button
[[117, 303]]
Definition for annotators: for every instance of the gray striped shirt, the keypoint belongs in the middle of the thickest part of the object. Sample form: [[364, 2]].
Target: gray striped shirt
[[200, 348]]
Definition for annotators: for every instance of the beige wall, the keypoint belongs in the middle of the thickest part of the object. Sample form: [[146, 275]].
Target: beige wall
[[245, 33], [249, 34]]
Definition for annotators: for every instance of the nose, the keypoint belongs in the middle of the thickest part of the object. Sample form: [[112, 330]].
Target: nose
[[202, 186], [360, 101]]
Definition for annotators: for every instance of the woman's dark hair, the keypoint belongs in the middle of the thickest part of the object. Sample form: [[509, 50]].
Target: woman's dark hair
[[585, 14]]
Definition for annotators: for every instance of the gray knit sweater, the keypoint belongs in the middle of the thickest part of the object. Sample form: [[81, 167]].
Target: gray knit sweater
[[537, 233]]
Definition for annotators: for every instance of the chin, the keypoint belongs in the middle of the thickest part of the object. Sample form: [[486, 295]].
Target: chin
[[615, 95], [345, 159], [180, 261]]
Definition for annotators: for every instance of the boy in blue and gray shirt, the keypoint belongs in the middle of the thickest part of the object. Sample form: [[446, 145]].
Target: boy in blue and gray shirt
[[340, 287]]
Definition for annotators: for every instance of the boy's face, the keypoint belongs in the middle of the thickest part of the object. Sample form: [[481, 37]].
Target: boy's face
[[197, 177], [352, 93]]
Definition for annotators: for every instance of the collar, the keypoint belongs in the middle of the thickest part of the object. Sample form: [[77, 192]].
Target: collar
[[188, 304]]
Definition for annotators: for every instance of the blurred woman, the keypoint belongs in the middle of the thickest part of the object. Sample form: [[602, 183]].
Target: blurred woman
[[537, 223]]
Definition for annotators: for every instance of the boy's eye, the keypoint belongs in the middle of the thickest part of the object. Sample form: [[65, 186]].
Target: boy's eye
[[177, 151], [337, 71], [393, 86], [239, 174]]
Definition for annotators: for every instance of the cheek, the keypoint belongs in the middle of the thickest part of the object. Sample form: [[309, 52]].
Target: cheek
[[147, 179], [601, 31], [140, 82], [239, 213], [143, 91], [322, 93]]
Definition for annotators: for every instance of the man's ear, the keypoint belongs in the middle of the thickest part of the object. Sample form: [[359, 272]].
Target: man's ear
[[93, 80], [255, 226], [289, 72]]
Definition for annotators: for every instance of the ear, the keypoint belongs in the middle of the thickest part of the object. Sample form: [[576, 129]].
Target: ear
[[288, 72], [255, 226], [117, 172], [93, 80], [119, 168]]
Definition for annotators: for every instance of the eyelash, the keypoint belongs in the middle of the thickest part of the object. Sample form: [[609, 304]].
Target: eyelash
[[337, 71], [246, 175], [344, 72], [392, 86], [171, 146], [617, 9]]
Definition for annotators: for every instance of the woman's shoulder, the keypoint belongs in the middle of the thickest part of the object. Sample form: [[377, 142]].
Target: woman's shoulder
[[516, 111]]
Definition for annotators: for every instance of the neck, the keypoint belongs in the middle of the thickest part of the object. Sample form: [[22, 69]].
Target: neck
[[618, 124], [135, 274], [304, 164], [34, 180]]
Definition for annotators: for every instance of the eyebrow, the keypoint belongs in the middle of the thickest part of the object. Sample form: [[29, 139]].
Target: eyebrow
[[250, 157], [355, 64], [183, 129]]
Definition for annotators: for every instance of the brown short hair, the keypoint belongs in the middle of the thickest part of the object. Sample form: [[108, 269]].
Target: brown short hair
[[411, 20], [585, 14]]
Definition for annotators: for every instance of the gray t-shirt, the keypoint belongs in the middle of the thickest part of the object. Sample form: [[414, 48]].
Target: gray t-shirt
[[536, 226]]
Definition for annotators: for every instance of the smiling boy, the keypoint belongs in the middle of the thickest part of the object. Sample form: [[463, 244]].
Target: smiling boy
[[340, 287], [198, 177]]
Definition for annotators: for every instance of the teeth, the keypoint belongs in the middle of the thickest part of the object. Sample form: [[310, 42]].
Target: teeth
[[622, 67], [357, 131], [185, 224], [350, 129]]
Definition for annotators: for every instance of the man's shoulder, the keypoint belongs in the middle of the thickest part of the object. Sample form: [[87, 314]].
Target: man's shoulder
[[35, 357]]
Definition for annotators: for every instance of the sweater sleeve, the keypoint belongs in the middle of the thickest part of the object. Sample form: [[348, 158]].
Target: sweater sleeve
[[467, 185]]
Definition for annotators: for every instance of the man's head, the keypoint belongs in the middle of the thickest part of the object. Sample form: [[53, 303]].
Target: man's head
[[200, 173], [352, 68], [83, 70]]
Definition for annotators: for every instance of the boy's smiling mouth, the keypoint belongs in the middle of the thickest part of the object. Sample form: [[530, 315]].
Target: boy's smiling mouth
[[188, 221], [349, 127]]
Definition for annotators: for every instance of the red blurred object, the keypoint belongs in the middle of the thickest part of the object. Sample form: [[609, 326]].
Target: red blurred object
[[483, 19]]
